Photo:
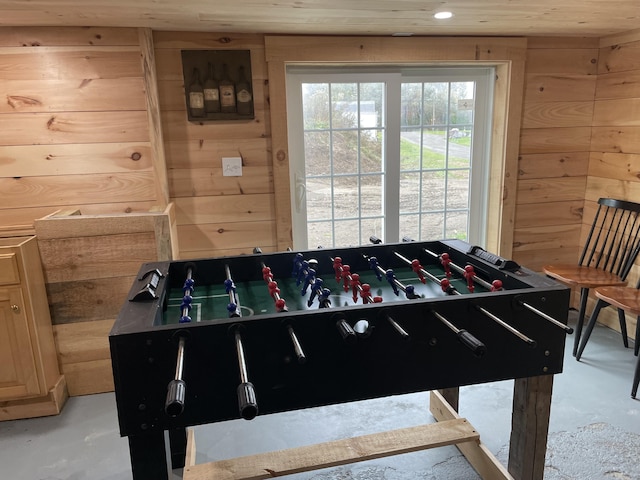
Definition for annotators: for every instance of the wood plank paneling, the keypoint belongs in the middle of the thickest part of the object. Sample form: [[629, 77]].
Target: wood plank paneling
[[73, 127], [553, 87], [216, 214], [67, 36], [557, 114], [622, 57], [84, 95], [74, 159], [550, 165], [71, 190], [546, 140]]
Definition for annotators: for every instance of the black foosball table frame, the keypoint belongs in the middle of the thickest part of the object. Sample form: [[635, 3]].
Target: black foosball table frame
[[170, 375]]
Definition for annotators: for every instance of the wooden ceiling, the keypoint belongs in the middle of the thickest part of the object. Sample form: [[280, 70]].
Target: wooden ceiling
[[594, 18]]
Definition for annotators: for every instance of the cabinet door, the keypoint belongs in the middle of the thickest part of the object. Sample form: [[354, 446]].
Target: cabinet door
[[18, 374]]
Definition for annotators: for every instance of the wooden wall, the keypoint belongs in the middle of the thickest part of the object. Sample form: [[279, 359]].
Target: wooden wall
[[78, 132], [74, 123], [560, 86], [614, 163], [216, 215]]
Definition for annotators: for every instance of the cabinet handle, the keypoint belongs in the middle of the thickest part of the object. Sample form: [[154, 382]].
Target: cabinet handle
[[15, 308]]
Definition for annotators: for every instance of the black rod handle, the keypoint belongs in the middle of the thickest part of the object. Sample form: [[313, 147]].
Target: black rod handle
[[247, 401], [174, 404], [476, 346], [347, 333]]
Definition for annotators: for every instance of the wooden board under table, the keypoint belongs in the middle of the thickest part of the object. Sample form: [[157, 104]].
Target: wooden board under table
[[449, 429]]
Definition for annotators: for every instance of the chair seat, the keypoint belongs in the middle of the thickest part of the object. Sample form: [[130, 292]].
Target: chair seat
[[625, 298], [583, 277]]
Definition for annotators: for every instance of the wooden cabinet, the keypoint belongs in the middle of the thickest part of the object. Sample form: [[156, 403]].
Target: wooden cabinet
[[30, 381]]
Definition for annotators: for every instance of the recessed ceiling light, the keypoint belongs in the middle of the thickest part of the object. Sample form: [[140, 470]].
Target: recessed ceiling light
[[443, 15]]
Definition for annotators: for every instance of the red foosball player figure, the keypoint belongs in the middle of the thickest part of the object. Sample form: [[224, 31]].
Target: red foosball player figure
[[346, 277], [355, 283], [273, 289], [417, 269], [337, 268], [365, 293], [267, 276], [281, 305], [469, 273], [496, 285], [445, 260]]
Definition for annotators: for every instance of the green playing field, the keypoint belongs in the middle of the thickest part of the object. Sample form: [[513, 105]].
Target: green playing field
[[210, 301]]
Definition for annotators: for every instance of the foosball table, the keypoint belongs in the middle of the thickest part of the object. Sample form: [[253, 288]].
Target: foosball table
[[217, 339]]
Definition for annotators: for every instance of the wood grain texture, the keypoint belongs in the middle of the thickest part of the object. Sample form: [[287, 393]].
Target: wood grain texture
[[339, 452], [75, 189], [546, 140], [621, 57], [573, 61], [66, 36], [553, 165], [557, 114], [559, 87], [551, 190]]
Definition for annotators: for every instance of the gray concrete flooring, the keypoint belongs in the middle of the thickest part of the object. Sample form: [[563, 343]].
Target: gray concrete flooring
[[594, 431]]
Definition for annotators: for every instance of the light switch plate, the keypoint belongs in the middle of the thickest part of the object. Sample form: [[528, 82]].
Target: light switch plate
[[231, 166]]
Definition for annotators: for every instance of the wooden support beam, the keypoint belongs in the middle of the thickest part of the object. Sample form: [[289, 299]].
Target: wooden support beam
[[478, 455], [331, 454]]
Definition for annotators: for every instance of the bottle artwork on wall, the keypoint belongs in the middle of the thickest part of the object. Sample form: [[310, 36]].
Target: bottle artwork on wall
[[218, 85]]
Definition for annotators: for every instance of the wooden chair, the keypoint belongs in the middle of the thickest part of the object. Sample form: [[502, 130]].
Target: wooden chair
[[625, 299], [611, 248]]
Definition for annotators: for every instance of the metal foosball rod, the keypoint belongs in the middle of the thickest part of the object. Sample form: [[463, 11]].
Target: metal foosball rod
[[302, 358], [247, 403], [422, 273], [506, 326], [187, 299], [467, 339], [174, 403], [391, 278], [233, 307], [403, 333], [557, 323], [274, 291], [495, 286], [281, 306]]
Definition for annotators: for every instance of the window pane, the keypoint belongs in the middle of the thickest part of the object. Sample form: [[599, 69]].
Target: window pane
[[371, 154], [347, 233], [411, 104], [315, 105], [319, 198], [346, 197], [433, 191], [371, 105], [319, 234], [345, 151], [462, 103], [457, 225], [410, 226], [371, 226], [409, 192], [317, 153], [371, 196], [436, 103], [434, 148], [344, 105], [432, 226], [410, 149], [458, 189]]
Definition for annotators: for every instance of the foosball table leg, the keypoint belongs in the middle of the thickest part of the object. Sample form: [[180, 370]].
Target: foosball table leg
[[178, 446], [530, 426], [149, 456]]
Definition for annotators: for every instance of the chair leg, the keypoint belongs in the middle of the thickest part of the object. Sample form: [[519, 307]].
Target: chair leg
[[600, 304], [636, 379], [635, 343], [584, 294], [623, 327]]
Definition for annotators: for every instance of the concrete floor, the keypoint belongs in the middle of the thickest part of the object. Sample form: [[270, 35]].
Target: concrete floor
[[594, 431]]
